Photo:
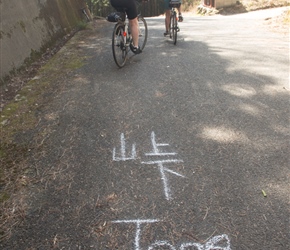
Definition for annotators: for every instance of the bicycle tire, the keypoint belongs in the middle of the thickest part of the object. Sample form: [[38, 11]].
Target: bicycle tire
[[143, 32], [174, 28], [119, 48], [170, 25]]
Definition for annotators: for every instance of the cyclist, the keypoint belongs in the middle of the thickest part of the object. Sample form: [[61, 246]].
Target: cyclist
[[131, 11], [167, 16]]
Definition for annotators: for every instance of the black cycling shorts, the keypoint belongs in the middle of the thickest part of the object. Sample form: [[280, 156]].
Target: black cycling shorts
[[129, 6]]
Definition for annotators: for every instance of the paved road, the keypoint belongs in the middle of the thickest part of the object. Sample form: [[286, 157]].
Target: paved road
[[174, 151]]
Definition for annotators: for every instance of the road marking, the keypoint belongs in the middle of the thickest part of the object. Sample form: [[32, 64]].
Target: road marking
[[123, 151], [138, 229], [155, 146], [162, 169], [161, 161], [156, 152], [219, 242], [161, 243]]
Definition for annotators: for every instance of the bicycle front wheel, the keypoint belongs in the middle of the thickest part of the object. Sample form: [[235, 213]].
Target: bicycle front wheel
[[143, 32], [173, 22], [119, 46]]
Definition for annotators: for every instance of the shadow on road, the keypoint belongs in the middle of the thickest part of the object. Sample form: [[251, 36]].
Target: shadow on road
[[228, 124]]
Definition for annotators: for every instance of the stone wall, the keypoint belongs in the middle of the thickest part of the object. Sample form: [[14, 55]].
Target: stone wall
[[219, 3], [224, 3], [29, 26]]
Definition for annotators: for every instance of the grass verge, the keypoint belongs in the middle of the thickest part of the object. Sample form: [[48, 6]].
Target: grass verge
[[21, 137]]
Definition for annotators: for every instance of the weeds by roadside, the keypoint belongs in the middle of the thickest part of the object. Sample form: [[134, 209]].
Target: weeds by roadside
[[13, 179], [243, 6], [20, 137], [250, 5]]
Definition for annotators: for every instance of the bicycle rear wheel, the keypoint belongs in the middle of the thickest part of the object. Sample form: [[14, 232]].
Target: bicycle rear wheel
[[143, 32], [174, 27], [119, 48]]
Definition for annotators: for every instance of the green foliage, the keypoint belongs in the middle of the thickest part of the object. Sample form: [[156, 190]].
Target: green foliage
[[98, 7], [98, 2], [188, 4], [82, 25]]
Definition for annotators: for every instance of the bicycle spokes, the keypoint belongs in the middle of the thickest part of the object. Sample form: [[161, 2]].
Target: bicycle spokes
[[119, 47]]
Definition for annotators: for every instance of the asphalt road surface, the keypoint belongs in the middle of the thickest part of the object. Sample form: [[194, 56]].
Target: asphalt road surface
[[186, 147]]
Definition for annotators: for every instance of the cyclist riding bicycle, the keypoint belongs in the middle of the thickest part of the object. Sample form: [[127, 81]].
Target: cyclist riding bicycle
[[131, 11], [167, 16]]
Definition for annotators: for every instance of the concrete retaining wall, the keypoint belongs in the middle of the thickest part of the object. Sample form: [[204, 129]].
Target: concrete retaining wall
[[224, 3], [27, 26], [219, 3]]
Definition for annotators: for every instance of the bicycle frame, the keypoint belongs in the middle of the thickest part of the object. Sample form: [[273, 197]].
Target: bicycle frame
[[88, 19]]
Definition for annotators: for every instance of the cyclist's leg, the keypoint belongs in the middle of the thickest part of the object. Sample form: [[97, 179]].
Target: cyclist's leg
[[134, 27], [167, 16], [134, 30], [131, 10], [167, 22], [118, 5]]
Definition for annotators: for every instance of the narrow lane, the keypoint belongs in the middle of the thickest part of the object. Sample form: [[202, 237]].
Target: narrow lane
[[174, 151]]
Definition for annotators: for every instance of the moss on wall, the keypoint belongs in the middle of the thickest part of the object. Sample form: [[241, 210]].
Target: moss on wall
[[36, 25]]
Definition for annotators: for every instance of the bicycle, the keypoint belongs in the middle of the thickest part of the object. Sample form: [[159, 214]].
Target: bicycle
[[84, 11], [122, 38], [173, 25]]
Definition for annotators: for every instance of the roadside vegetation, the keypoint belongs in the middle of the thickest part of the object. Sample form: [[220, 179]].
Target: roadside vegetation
[[251, 5], [156, 7], [279, 22]]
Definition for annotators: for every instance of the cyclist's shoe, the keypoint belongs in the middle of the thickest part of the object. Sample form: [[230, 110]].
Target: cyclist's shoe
[[166, 33], [135, 50], [180, 18]]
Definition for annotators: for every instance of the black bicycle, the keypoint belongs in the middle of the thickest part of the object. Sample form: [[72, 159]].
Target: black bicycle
[[84, 11], [122, 37], [173, 25]]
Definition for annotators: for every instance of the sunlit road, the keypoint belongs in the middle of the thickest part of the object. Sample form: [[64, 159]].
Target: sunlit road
[[186, 147]]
